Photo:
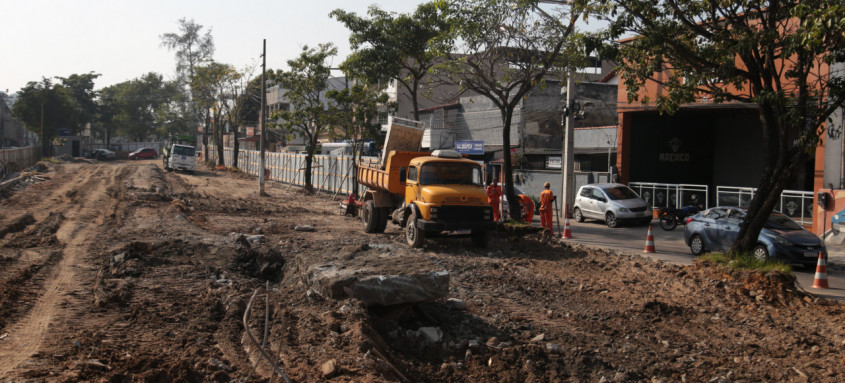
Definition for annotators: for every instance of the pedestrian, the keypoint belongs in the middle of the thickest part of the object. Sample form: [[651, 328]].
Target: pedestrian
[[546, 200], [494, 193], [527, 208]]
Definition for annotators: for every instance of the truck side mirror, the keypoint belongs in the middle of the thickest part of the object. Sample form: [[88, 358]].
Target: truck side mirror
[[402, 175]]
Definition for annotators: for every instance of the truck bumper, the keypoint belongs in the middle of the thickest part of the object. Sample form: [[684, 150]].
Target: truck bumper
[[453, 226]]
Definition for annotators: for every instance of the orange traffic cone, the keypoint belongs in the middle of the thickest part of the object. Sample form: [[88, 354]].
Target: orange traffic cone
[[567, 231], [649, 242], [820, 280]]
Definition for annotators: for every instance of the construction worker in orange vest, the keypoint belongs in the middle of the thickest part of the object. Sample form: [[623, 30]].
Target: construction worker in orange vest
[[494, 192], [546, 200], [527, 208]]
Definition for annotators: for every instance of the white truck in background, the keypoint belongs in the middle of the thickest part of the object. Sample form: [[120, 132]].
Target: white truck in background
[[179, 157]]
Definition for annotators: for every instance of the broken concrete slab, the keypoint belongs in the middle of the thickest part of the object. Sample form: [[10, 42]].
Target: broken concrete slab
[[337, 282]]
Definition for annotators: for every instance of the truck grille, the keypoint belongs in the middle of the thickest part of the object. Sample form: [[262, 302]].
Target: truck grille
[[461, 213], [462, 200]]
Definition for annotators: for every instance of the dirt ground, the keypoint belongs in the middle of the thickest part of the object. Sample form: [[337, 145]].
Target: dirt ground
[[121, 272]]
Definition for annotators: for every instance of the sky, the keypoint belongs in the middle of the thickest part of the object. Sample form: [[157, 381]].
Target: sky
[[121, 39]]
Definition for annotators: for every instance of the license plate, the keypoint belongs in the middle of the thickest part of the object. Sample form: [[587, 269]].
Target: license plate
[[462, 232], [811, 255]]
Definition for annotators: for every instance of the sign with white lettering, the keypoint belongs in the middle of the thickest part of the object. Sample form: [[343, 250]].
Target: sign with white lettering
[[470, 147]]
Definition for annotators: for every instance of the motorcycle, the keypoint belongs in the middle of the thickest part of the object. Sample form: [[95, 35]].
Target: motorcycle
[[670, 218]]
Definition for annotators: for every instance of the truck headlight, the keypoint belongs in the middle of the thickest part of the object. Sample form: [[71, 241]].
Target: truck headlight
[[433, 212], [488, 214]]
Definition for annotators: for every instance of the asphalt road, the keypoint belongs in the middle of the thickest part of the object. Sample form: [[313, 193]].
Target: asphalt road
[[670, 247]]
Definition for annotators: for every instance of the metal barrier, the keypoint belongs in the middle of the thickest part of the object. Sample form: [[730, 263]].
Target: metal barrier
[[328, 173], [672, 195], [796, 204], [15, 160]]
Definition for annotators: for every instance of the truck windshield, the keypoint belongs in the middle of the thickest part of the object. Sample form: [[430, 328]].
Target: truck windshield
[[450, 173], [183, 150]]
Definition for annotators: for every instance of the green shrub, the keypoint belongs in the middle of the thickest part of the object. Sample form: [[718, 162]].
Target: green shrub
[[746, 262]]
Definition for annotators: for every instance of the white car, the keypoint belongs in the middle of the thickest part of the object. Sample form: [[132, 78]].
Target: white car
[[610, 203]]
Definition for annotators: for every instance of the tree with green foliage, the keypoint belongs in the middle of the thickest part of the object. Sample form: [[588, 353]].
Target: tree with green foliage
[[773, 54], [45, 107], [219, 87], [137, 105], [305, 83], [81, 88], [387, 45], [354, 114], [507, 48]]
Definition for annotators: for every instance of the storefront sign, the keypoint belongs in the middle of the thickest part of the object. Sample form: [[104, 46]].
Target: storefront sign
[[675, 155], [470, 147], [553, 162]]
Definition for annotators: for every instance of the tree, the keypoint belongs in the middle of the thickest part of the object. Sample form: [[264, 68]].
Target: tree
[[220, 87], [771, 53], [305, 82], [506, 49], [137, 106], [192, 49], [44, 108], [402, 46], [354, 112], [81, 88]]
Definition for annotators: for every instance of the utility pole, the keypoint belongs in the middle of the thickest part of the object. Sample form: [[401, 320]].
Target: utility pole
[[261, 123], [567, 167]]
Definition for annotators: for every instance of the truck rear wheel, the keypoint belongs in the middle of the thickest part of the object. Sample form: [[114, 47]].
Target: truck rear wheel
[[370, 216], [413, 234]]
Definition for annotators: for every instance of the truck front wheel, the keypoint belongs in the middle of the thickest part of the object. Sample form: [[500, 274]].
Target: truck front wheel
[[370, 216], [413, 234]]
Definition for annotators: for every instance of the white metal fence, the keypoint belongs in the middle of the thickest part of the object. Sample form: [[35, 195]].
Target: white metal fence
[[672, 195], [328, 173], [123, 146], [796, 204], [15, 160]]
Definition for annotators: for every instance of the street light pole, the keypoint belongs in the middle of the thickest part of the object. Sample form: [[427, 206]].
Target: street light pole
[[567, 167]]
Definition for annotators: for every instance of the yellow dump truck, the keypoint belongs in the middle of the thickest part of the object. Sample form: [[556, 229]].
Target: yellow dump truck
[[428, 194]]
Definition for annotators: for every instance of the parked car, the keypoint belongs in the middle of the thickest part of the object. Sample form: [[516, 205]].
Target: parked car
[[611, 203], [102, 154], [716, 229], [144, 153], [837, 222]]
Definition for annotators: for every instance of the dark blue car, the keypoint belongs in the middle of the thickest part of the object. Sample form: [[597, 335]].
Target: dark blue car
[[716, 229]]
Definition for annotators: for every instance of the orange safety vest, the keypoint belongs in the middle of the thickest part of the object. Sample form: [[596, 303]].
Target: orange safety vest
[[546, 199]]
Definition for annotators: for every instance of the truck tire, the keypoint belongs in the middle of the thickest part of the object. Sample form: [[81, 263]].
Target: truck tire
[[369, 215], [382, 214], [414, 235], [480, 239]]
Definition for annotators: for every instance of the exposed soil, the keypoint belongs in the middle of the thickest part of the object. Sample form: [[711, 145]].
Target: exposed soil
[[121, 272]]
